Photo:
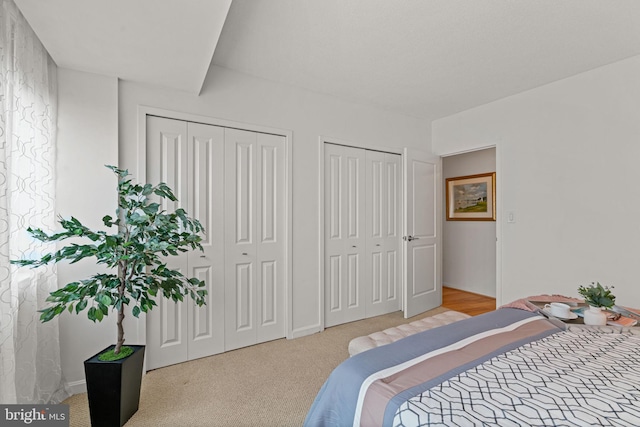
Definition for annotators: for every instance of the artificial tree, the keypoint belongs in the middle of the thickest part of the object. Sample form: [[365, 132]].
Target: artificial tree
[[145, 234]]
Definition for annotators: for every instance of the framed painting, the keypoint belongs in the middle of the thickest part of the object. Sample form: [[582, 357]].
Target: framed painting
[[472, 197]]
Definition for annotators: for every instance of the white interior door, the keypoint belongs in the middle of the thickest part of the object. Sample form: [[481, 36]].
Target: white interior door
[[383, 228], [344, 234], [422, 235], [255, 238], [188, 158]]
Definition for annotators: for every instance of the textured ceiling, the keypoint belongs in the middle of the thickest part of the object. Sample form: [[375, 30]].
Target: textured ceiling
[[425, 58]]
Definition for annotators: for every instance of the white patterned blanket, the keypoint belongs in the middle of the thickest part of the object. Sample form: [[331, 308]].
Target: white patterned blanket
[[578, 377]]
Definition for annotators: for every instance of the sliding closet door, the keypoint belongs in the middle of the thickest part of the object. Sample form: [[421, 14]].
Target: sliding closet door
[[254, 237], [344, 234], [189, 158], [383, 204]]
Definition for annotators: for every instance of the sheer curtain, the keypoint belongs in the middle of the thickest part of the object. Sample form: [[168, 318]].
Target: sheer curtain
[[30, 370]]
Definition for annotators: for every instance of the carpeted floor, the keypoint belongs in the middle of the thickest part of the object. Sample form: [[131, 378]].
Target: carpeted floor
[[269, 384]]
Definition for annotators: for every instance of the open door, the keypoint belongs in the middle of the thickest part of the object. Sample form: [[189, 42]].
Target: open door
[[422, 240]]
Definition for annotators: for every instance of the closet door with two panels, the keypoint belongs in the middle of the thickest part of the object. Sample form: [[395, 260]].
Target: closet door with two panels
[[362, 233], [254, 237], [230, 181], [188, 157]]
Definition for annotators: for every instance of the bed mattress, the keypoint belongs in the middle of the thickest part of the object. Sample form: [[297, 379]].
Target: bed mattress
[[507, 367]]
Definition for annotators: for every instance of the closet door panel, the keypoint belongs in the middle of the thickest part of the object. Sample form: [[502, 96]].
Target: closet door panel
[[205, 189], [271, 245], [392, 232], [333, 245], [167, 324], [376, 220], [240, 238], [383, 232], [355, 240], [345, 259]]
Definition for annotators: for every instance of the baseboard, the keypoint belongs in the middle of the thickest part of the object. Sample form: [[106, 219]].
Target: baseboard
[[77, 387], [302, 332]]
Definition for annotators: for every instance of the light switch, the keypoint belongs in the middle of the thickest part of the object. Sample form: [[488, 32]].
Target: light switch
[[511, 217]]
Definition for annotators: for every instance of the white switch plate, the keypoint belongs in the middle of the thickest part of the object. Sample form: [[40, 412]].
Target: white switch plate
[[511, 217]]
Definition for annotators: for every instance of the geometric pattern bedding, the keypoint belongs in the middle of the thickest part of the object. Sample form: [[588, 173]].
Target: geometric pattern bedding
[[578, 377]]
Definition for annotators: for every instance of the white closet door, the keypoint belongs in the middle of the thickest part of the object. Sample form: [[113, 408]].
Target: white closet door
[[271, 234], [189, 158], [382, 233], [344, 234], [205, 191], [254, 236], [167, 329]]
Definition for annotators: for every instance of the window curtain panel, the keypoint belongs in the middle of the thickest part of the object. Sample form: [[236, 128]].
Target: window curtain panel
[[30, 369]]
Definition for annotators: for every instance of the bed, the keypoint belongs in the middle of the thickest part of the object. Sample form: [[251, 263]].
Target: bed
[[509, 367]]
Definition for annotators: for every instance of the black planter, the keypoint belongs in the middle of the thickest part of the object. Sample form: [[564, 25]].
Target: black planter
[[113, 388]]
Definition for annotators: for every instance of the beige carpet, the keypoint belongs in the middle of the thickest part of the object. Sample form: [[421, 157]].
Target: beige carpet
[[270, 384]]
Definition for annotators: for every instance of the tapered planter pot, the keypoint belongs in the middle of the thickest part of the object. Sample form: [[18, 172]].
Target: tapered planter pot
[[113, 388]]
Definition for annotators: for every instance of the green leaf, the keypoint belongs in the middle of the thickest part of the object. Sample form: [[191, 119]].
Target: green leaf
[[47, 315], [103, 309], [81, 306], [105, 299], [136, 311], [107, 220]]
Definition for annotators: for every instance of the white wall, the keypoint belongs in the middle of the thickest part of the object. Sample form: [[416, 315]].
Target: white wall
[[232, 96], [87, 140], [469, 247], [568, 158]]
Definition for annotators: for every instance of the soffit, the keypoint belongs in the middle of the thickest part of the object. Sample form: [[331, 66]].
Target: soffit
[[168, 43]]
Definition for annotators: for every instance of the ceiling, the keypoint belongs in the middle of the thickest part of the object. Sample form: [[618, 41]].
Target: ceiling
[[166, 43], [423, 58]]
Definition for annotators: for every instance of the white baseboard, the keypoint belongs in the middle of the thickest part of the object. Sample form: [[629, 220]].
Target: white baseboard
[[302, 332], [77, 387]]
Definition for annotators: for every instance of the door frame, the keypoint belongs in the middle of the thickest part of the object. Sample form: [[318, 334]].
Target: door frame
[[322, 140], [499, 222], [141, 173]]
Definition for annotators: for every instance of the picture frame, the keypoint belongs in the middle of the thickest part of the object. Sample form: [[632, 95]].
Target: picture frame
[[471, 197]]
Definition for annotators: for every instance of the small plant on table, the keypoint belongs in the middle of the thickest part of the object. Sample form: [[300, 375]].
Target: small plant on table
[[597, 295]]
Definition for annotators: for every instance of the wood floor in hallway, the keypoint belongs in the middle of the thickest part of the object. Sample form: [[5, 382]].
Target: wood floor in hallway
[[467, 302]]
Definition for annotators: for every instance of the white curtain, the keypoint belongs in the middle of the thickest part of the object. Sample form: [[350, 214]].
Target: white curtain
[[30, 370]]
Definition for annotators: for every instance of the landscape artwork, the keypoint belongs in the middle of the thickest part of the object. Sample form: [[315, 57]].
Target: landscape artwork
[[471, 198]]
